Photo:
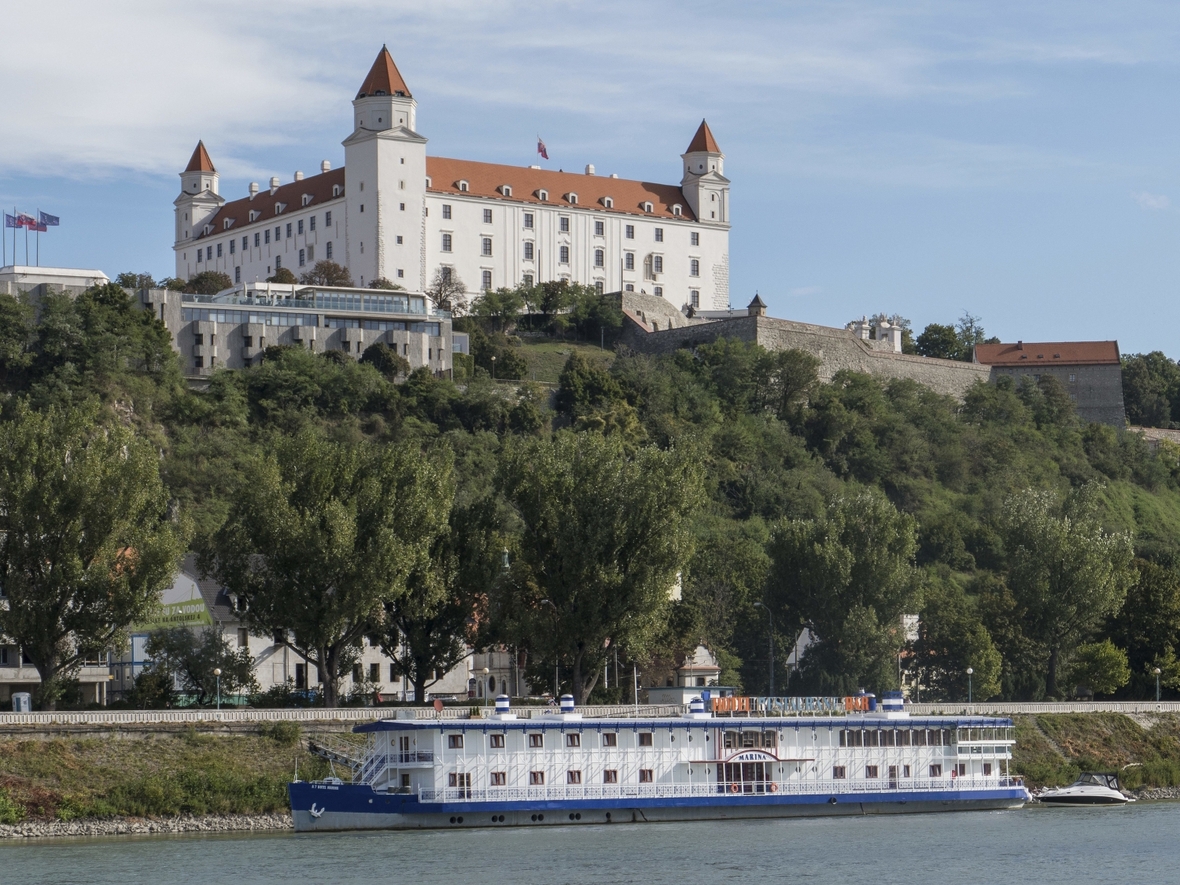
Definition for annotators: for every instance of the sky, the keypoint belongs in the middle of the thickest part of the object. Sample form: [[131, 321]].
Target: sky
[[1013, 160]]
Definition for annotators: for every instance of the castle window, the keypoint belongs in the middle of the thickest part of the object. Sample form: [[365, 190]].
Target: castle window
[[659, 235], [278, 262], [563, 224], [279, 207], [246, 242], [659, 290], [401, 207], [256, 236], [362, 207], [694, 267], [528, 250], [237, 274], [302, 257], [446, 210], [288, 230], [487, 216], [572, 198], [400, 273], [563, 254], [486, 282], [506, 190], [200, 254], [254, 215], [608, 202], [657, 264], [299, 226], [628, 261], [328, 250], [630, 287], [676, 209], [446, 242], [485, 246], [209, 257], [599, 228], [399, 239], [598, 286], [227, 224], [401, 185], [311, 223], [528, 220], [647, 207], [328, 219], [219, 250], [527, 279], [306, 199], [266, 235], [463, 186], [337, 190], [713, 198], [233, 245], [694, 297], [278, 234], [543, 195], [599, 258], [694, 239], [629, 232]]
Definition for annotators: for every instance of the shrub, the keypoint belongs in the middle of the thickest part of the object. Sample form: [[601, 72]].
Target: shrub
[[283, 733]]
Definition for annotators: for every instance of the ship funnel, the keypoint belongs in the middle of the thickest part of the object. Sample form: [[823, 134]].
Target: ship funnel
[[567, 703], [503, 704]]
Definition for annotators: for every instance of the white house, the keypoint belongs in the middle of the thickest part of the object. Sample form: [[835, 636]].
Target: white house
[[395, 213]]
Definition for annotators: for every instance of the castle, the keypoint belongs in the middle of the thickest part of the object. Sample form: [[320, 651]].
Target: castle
[[393, 213]]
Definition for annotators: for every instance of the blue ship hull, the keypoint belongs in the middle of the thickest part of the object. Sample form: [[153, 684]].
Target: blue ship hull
[[320, 806]]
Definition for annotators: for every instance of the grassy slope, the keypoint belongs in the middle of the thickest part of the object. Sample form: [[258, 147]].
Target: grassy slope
[[547, 357], [1052, 749], [157, 775]]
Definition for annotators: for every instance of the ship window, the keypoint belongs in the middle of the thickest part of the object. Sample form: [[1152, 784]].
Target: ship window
[[499, 778], [496, 740], [987, 769], [536, 740], [936, 771], [610, 776], [573, 740], [454, 741], [887, 738], [871, 771], [406, 781], [536, 778], [573, 777], [610, 740], [645, 776], [768, 739], [645, 739], [962, 769], [905, 771], [872, 738], [839, 772], [919, 738], [903, 738]]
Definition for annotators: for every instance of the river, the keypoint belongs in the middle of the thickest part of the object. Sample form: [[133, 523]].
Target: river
[[1036, 845]]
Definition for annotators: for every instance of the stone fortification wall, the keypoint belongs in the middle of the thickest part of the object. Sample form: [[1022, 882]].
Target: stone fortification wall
[[836, 349], [1096, 391]]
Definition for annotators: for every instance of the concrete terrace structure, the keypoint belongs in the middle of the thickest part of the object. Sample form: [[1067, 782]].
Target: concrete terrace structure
[[233, 328], [394, 213], [1090, 371], [38, 281]]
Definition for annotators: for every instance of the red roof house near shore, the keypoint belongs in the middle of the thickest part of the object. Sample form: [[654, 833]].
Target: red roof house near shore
[[1090, 371]]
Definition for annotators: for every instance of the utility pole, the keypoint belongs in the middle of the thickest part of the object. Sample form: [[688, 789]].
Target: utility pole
[[771, 644]]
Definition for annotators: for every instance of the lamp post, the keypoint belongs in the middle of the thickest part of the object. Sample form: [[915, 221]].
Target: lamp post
[[217, 673], [970, 673], [485, 686], [771, 643], [493, 368], [1156, 671]]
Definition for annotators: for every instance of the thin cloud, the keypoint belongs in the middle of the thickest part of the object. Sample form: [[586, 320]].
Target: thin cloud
[[803, 291], [1151, 202]]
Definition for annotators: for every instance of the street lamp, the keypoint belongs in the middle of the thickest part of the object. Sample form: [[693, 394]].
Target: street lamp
[[970, 673], [1156, 671], [493, 368], [217, 673], [771, 644], [485, 686]]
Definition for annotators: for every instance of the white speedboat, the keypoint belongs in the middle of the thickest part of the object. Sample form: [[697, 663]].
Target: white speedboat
[[1091, 788]]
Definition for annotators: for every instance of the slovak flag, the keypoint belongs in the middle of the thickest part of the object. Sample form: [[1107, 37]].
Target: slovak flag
[[24, 219], [541, 148], [47, 219]]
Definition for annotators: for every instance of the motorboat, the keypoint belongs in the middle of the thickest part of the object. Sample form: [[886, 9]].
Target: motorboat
[[1091, 788]]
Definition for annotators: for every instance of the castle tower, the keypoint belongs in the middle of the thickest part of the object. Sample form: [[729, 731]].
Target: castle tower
[[385, 188], [198, 200], [704, 184]]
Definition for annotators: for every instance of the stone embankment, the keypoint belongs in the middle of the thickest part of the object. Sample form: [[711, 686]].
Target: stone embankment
[[1148, 793], [208, 823]]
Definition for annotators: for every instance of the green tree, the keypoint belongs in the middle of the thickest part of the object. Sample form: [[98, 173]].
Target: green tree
[[1148, 625], [951, 638], [1151, 389], [388, 285], [603, 536], [192, 657], [135, 281], [87, 543], [1065, 572], [499, 306], [210, 282], [938, 341], [16, 336], [327, 273], [1100, 667], [386, 360], [448, 291], [848, 577], [323, 535], [283, 275]]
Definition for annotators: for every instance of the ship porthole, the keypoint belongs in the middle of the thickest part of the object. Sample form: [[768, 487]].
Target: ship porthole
[[540, 817], [608, 817], [534, 818], [832, 801], [578, 816], [571, 815], [452, 820], [459, 819]]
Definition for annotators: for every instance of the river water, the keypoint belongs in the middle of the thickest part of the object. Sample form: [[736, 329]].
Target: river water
[[1137, 844]]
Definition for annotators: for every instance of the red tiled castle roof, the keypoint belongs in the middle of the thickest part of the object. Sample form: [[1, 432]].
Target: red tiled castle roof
[[384, 78], [703, 140], [200, 161], [1059, 353]]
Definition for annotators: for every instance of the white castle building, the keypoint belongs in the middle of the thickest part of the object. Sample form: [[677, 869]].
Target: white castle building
[[394, 213]]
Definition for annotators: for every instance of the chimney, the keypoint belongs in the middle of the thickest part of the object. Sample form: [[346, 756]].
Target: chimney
[[1020, 345], [298, 175], [274, 184], [325, 166], [589, 168], [253, 189], [614, 175]]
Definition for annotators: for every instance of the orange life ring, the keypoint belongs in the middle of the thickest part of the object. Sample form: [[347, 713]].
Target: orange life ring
[[773, 787], [734, 788]]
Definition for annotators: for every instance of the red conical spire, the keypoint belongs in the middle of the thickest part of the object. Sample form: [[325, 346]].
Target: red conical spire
[[703, 141], [384, 78], [200, 161]]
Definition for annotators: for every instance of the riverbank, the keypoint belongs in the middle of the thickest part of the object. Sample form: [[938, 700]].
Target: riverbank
[[185, 823]]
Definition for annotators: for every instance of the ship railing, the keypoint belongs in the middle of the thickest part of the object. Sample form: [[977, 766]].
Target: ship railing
[[736, 789], [375, 764]]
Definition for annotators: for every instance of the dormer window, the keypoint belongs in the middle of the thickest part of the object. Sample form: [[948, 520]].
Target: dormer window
[[647, 207], [462, 185], [429, 182], [208, 229], [608, 202], [307, 198], [279, 208], [676, 209], [543, 195], [254, 215], [572, 199], [337, 190], [227, 224], [506, 190]]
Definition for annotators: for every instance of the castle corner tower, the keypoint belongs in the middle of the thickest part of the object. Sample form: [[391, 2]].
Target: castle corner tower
[[704, 184]]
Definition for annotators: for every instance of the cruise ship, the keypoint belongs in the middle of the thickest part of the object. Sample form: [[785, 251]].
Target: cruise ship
[[722, 758]]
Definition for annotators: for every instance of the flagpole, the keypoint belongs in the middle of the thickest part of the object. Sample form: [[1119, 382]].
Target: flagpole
[[38, 236]]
